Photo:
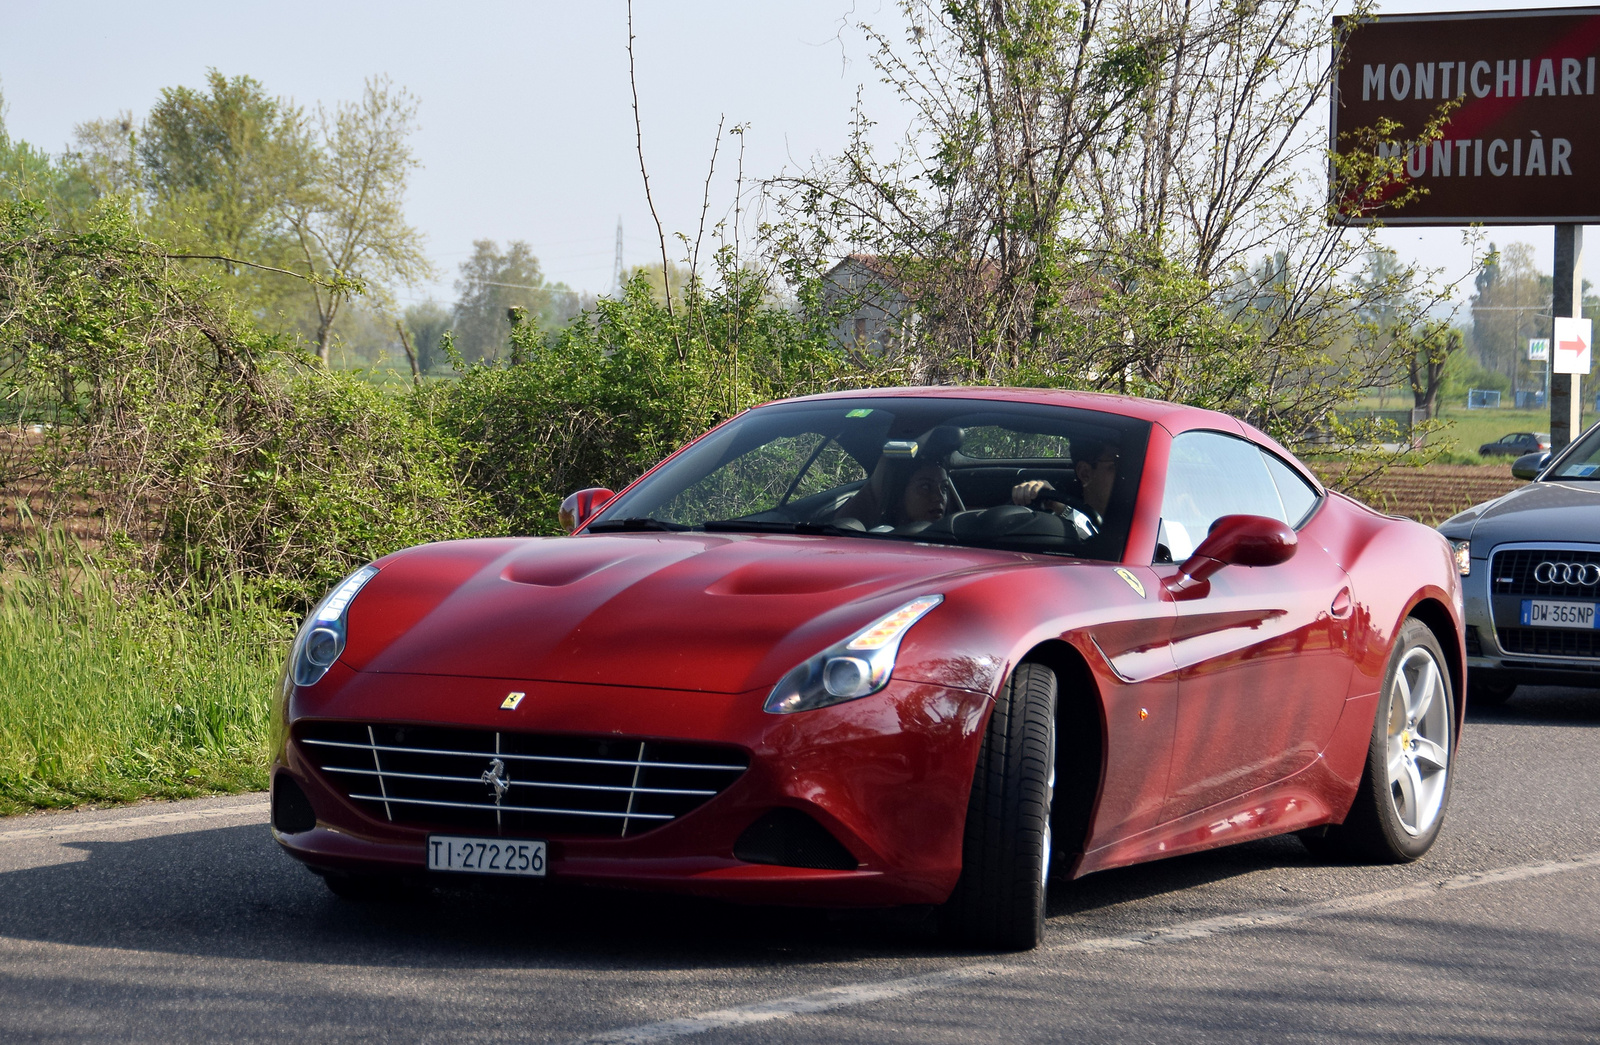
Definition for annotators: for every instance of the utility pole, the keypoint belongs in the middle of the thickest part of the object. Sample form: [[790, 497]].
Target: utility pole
[[1566, 404], [616, 265]]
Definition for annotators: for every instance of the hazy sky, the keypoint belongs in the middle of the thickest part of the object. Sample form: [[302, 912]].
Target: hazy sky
[[527, 130]]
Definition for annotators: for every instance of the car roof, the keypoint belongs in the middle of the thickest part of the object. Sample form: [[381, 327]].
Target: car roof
[[1173, 416]]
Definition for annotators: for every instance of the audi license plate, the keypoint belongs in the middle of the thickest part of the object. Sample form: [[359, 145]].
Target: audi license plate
[[1551, 613], [486, 855]]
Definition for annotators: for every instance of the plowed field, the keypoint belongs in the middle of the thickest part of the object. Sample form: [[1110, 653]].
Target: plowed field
[[1432, 494]]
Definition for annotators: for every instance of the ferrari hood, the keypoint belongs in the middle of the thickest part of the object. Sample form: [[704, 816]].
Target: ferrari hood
[[718, 613], [1542, 511]]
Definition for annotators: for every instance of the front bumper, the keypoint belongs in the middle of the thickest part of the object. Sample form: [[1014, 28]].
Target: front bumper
[[888, 776]]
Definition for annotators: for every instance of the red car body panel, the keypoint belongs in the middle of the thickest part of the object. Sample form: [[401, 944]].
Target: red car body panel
[[1243, 712]]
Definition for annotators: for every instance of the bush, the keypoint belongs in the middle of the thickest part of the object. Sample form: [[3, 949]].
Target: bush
[[211, 451], [600, 401]]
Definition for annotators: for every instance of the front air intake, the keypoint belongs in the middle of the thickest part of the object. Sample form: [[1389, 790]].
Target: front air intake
[[291, 809], [518, 783], [789, 838]]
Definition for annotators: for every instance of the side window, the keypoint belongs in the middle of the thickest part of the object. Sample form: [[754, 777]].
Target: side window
[[1210, 475], [1298, 496]]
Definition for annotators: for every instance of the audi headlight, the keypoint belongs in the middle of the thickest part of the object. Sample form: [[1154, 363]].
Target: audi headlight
[[1463, 553], [321, 637], [857, 667]]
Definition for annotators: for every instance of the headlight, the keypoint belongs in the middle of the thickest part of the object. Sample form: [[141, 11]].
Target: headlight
[[321, 637], [1463, 554], [857, 667]]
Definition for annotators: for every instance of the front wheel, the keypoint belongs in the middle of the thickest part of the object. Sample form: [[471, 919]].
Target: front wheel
[[999, 901], [1400, 804]]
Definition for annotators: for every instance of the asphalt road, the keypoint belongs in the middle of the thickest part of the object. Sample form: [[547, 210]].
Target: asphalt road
[[184, 923]]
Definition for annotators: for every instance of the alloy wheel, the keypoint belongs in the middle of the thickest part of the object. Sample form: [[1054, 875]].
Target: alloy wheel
[[1419, 741]]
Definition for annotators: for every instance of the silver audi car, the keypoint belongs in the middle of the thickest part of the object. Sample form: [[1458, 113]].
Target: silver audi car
[[1530, 565]]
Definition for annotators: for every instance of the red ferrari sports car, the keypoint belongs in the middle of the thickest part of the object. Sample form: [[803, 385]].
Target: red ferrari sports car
[[900, 646]]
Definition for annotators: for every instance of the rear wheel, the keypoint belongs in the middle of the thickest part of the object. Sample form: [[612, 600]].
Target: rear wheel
[[1400, 805], [999, 901]]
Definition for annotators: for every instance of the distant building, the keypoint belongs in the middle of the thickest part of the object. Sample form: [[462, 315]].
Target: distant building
[[877, 314]]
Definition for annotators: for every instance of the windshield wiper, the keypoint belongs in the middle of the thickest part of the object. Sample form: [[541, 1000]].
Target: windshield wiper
[[771, 526], [637, 523]]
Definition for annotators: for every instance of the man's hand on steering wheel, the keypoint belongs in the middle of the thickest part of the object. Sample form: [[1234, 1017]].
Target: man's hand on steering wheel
[[1031, 493]]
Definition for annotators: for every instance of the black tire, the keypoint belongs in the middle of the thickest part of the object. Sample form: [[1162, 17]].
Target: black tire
[[999, 900], [1397, 814], [1488, 694]]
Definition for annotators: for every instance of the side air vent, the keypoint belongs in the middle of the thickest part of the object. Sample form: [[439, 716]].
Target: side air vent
[[291, 809], [789, 838]]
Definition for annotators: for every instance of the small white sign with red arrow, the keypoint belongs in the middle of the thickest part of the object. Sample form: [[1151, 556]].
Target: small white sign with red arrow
[[1573, 337]]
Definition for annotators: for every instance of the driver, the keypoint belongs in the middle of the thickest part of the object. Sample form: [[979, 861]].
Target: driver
[[1095, 463]]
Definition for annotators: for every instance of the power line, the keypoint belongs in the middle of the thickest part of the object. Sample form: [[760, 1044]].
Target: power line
[[524, 286]]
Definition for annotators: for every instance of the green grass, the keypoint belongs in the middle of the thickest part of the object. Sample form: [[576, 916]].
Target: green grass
[[109, 698]]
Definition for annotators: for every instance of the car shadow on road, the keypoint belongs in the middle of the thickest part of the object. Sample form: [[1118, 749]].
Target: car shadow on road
[[1540, 706], [230, 893]]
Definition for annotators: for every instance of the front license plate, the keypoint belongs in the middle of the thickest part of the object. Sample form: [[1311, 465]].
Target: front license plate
[[1550, 613], [486, 855]]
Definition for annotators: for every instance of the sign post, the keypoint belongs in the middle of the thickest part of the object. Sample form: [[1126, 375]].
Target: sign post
[[1570, 343], [1521, 146]]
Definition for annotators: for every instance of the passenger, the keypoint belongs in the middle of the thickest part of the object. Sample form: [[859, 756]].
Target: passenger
[[927, 495], [1095, 463], [901, 491]]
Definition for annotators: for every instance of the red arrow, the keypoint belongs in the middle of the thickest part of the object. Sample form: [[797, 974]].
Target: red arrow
[[1575, 347]]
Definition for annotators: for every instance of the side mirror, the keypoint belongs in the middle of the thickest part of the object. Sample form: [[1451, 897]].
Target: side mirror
[[580, 507], [1528, 466], [1234, 540]]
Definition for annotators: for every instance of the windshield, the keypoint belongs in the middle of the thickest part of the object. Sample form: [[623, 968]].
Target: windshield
[[990, 474], [1582, 462]]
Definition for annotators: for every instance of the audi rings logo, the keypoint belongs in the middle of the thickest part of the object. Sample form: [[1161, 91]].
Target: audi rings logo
[[1569, 573]]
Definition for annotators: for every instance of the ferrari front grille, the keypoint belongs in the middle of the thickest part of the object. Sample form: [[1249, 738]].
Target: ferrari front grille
[[1516, 572], [518, 783]]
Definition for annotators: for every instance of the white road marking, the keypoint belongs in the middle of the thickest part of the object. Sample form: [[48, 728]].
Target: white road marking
[[254, 810], [886, 990]]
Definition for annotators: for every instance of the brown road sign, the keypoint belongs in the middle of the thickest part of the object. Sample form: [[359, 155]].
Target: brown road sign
[[1523, 148]]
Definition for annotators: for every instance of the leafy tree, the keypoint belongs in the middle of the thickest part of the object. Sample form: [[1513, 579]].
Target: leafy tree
[[426, 324], [347, 218], [1511, 305], [492, 283], [219, 163], [1085, 193], [1428, 351], [678, 279], [25, 172], [106, 160]]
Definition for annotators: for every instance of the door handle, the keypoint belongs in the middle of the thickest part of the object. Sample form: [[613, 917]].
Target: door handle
[[1342, 605]]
